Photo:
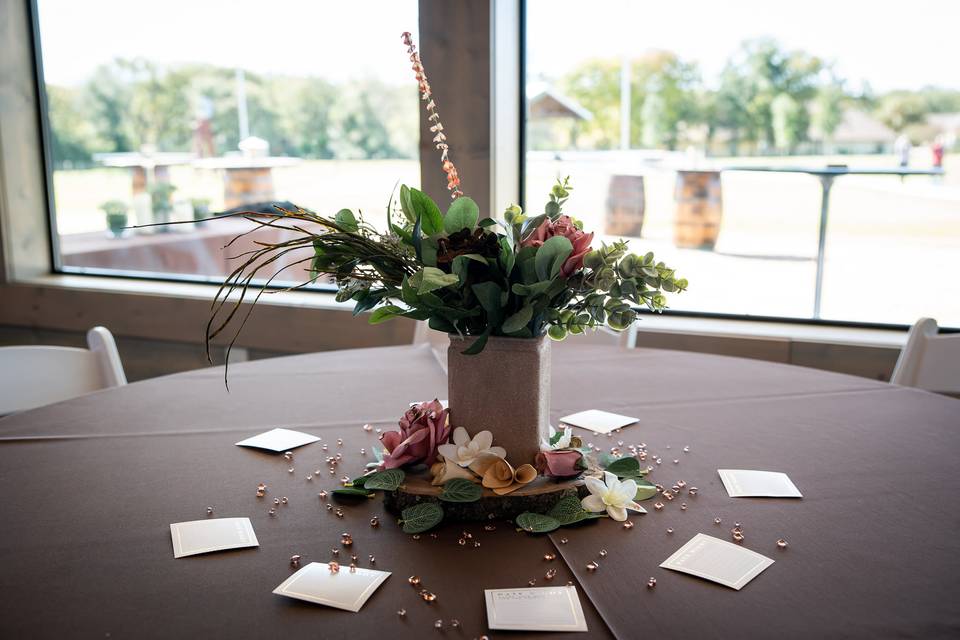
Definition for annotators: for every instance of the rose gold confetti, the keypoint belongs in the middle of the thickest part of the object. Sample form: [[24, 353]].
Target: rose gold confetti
[[782, 543], [438, 624], [295, 560], [333, 566], [693, 491], [683, 506], [717, 521], [670, 530], [651, 583], [322, 495], [276, 501], [372, 559], [428, 596], [531, 583], [603, 553], [209, 511], [414, 580], [339, 512], [291, 470], [455, 623], [284, 500], [374, 521], [628, 524], [368, 427], [272, 512], [737, 536], [563, 541], [550, 574], [288, 455], [335, 552], [549, 557], [592, 566], [401, 612], [658, 505], [489, 527], [686, 449]]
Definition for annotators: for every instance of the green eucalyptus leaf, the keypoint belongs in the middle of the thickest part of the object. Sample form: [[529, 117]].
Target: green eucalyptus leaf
[[519, 320], [389, 480], [462, 214], [478, 344], [568, 511], [624, 467], [352, 492], [550, 257], [430, 279], [384, 313], [421, 517], [645, 490], [427, 210], [461, 490], [536, 523], [346, 220]]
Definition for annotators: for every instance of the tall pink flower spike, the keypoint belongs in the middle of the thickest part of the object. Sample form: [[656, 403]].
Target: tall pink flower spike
[[436, 127]]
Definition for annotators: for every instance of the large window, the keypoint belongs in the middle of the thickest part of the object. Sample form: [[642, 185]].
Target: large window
[[723, 136], [180, 110]]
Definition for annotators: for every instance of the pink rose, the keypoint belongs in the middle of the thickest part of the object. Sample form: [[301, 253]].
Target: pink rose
[[423, 428], [563, 226], [562, 463]]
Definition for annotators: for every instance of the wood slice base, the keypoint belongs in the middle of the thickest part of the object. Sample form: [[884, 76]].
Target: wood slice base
[[539, 496]]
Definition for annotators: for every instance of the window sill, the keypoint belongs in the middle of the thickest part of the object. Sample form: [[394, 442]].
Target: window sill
[[775, 331]]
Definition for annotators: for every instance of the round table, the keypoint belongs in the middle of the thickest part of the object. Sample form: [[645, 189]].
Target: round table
[[90, 486]]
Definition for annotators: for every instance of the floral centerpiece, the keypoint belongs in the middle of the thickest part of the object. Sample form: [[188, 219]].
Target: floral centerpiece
[[500, 286]]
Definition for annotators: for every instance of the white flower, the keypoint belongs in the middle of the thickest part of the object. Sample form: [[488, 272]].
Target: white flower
[[562, 443], [465, 451], [611, 495]]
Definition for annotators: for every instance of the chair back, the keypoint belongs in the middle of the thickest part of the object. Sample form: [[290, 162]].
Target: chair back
[[929, 360], [34, 376]]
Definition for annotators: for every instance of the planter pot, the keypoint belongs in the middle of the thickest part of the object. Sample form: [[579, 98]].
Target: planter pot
[[504, 389]]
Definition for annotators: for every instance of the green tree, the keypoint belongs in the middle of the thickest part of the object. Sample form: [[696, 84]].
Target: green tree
[[830, 102], [789, 121], [900, 110], [72, 137]]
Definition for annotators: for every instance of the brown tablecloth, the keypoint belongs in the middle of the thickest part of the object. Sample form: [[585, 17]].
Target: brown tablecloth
[[91, 485]]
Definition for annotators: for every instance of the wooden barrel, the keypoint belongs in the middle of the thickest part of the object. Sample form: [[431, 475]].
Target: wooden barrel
[[625, 206], [699, 209], [245, 185]]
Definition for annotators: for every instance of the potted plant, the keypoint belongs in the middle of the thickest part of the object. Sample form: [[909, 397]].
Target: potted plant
[[201, 210], [116, 214], [160, 203]]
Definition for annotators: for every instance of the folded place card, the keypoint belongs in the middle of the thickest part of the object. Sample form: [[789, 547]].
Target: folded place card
[[344, 589], [743, 483], [598, 421], [214, 534], [538, 609], [278, 440], [718, 560]]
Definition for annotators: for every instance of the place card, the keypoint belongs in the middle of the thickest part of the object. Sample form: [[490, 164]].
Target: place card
[[718, 560], [598, 421], [278, 440], [538, 609], [743, 483], [213, 534], [344, 589]]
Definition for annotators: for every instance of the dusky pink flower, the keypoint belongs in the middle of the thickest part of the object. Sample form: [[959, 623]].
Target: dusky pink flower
[[563, 463], [423, 428], [563, 226]]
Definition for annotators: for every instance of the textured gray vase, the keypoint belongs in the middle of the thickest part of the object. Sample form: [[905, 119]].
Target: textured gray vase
[[504, 389]]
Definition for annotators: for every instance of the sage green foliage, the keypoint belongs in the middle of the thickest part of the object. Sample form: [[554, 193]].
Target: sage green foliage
[[467, 275], [389, 480], [421, 517], [352, 492], [116, 214], [537, 522], [461, 490], [472, 276], [569, 511]]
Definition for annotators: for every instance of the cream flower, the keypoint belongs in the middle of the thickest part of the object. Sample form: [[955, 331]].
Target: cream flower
[[562, 443], [611, 495], [464, 450], [445, 470]]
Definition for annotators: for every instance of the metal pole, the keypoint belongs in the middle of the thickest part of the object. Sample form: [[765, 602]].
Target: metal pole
[[625, 103], [826, 182], [244, 122]]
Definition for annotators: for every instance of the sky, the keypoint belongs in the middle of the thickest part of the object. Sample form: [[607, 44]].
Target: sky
[[890, 43]]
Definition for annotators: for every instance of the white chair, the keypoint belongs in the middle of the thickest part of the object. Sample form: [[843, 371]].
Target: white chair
[[38, 375], [928, 360]]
